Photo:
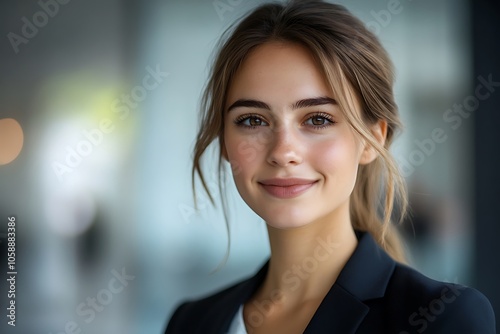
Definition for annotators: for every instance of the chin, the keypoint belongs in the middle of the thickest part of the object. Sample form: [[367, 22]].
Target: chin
[[286, 221], [285, 226]]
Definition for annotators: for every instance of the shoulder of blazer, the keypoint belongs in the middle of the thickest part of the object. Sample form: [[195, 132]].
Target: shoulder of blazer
[[373, 294], [419, 304]]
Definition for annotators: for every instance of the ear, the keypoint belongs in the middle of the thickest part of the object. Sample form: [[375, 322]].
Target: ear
[[379, 131]]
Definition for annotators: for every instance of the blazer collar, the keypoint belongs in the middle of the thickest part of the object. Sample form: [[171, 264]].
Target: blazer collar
[[368, 271], [219, 318], [365, 276]]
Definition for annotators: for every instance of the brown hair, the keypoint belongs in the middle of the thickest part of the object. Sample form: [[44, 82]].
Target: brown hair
[[359, 72]]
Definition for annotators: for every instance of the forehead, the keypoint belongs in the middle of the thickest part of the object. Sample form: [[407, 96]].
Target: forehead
[[278, 72]]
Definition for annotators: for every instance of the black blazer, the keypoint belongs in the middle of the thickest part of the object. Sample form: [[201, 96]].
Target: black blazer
[[373, 294]]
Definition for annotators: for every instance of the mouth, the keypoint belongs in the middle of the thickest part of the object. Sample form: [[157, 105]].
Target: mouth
[[286, 188]]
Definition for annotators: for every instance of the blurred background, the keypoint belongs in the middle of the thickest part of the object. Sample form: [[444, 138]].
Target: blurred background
[[97, 123]]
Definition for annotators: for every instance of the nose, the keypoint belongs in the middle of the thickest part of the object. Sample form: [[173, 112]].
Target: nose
[[285, 148]]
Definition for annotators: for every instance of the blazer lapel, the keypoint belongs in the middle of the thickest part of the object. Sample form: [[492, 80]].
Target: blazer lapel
[[219, 317], [339, 312], [365, 276]]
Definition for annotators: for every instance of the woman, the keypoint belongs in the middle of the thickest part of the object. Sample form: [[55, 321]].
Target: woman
[[300, 100]]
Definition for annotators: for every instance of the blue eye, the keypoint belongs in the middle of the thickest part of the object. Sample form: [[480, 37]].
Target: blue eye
[[250, 121]]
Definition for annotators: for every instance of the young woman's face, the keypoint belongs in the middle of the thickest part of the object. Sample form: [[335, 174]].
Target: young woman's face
[[294, 156]]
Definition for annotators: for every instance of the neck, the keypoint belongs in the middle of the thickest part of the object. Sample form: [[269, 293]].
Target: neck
[[306, 261]]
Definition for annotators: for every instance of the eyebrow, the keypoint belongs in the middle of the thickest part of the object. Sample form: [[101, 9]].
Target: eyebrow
[[311, 102]]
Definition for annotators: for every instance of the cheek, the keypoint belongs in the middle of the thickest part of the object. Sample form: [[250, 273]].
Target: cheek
[[338, 157], [244, 152]]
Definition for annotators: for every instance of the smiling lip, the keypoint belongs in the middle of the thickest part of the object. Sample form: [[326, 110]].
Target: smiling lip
[[286, 188]]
